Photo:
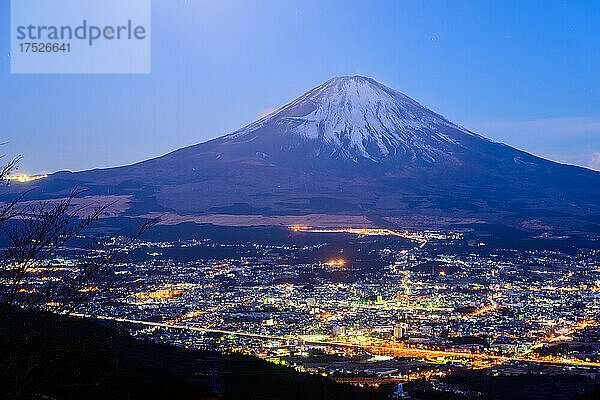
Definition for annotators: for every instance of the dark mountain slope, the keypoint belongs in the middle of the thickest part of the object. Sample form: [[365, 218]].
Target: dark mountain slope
[[352, 146]]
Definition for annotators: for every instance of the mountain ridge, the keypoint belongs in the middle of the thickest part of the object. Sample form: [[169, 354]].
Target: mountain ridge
[[351, 146]]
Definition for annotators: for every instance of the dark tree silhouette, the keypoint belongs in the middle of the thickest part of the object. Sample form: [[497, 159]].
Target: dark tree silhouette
[[33, 289]]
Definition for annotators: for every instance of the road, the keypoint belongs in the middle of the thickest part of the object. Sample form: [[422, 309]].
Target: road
[[377, 349]]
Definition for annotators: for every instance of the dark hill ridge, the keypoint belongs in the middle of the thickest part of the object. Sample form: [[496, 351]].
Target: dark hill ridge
[[352, 146], [59, 357]]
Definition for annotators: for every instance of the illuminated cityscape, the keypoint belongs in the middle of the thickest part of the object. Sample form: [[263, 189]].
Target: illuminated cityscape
[[366, 306], [292, 200]]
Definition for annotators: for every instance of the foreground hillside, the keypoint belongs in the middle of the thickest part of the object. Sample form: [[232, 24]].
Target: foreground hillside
[[65, 358], [52, 357]]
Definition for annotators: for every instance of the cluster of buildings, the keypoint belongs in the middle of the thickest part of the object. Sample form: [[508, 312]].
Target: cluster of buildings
[[428, 302]]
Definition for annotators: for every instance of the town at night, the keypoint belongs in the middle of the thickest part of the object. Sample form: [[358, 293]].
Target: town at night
[[368, 307]]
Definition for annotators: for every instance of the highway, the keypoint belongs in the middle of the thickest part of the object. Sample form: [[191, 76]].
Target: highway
[[377, 349]]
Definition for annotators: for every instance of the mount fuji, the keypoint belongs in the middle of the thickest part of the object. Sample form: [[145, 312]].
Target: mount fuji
[[354, 119], [350, 151]]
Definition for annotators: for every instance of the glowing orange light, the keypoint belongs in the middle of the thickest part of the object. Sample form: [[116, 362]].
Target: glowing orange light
[[297, 228], [159, 294], [485, 309], [26, 178]]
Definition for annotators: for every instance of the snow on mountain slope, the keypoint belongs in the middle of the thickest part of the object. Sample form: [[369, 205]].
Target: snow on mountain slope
[[350, 146], [357, 117]]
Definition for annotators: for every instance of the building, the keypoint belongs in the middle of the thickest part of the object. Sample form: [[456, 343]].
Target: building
[[339, 330], [401, 330]]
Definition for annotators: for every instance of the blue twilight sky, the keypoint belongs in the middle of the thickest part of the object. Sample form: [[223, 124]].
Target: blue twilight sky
[[522, 72]]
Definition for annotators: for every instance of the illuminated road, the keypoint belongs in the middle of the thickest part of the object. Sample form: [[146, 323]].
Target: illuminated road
[[412, 352], [365, 232], [181, 327], [367, 380], [564, 334], [377, 349]]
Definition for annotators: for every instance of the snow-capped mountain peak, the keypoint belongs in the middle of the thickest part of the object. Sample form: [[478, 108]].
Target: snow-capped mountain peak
[[357, 117], [349, 151]]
